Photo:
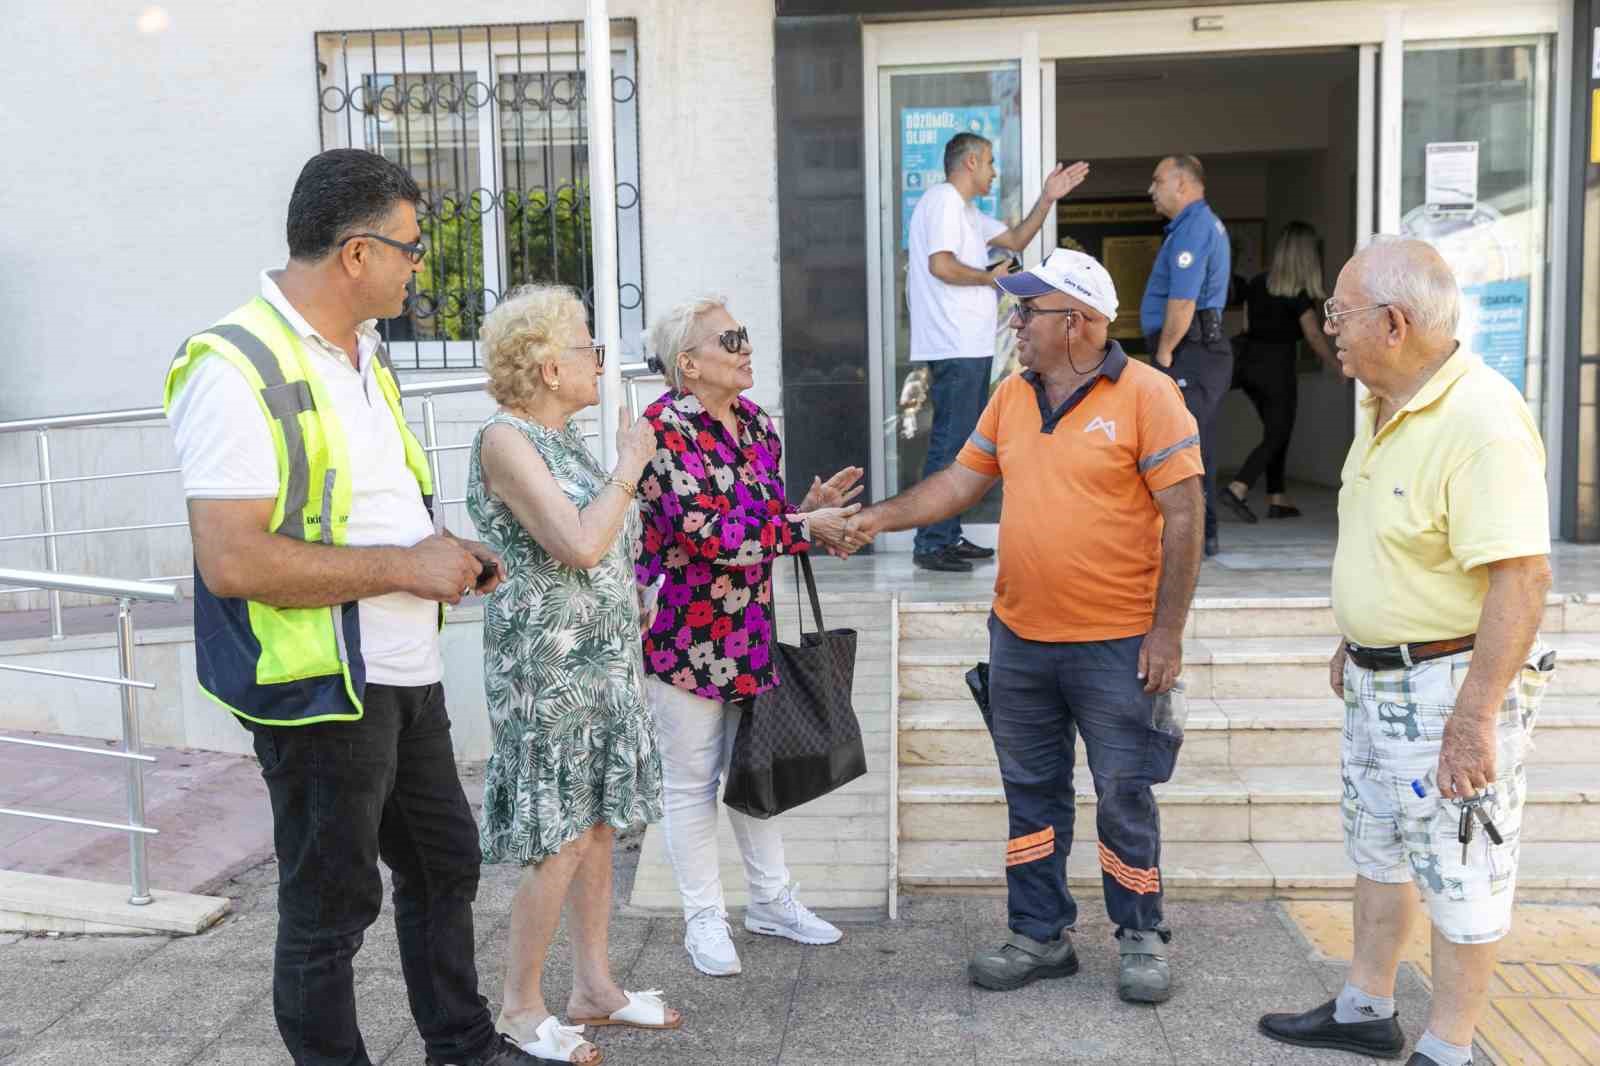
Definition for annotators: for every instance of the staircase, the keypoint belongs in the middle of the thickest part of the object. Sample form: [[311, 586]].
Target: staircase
[[1253, 809]]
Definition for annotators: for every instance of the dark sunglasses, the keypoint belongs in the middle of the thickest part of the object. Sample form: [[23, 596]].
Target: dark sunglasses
[[414, 251], [732, 340], [599, 351]]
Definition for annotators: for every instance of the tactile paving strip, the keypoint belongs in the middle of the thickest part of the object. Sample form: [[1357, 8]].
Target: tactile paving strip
[[1544, 999]]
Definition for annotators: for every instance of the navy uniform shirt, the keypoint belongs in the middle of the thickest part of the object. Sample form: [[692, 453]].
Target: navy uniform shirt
[[1194, 264]]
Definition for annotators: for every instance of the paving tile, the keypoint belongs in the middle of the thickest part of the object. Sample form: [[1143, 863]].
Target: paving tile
[[43, 979]]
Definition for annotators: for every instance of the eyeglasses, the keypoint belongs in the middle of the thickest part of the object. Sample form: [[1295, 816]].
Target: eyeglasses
[[414, 251], [599, 351], [1026, 313], [1333, 314], [732, 340]]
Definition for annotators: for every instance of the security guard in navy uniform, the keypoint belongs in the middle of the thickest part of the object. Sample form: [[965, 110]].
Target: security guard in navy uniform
[[1181, 314]]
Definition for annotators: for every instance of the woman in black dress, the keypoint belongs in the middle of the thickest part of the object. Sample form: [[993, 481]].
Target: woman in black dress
[[1282, 307]]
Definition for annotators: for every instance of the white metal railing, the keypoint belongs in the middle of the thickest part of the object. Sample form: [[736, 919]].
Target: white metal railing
[[126, 593], [633, 376]]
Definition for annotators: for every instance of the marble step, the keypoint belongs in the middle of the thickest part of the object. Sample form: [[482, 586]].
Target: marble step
[[1231, 668], [1549, 872], [1216, 804], [1238, 733], [1302, 616]]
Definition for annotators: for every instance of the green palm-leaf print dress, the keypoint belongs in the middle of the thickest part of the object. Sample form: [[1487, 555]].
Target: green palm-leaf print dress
[[574, 744]]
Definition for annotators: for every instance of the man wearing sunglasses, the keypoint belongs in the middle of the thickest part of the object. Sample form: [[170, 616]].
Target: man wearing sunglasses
[[953, 304], [319, 575], [1099, 552]]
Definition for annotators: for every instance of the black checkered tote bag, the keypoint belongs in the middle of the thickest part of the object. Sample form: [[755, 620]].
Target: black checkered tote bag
[[800, 740]]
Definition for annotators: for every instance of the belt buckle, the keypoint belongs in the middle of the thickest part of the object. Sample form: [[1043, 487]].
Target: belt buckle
[[1405, 655]]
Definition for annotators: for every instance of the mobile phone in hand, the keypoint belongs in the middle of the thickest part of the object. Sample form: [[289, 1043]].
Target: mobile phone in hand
[[487, 573]]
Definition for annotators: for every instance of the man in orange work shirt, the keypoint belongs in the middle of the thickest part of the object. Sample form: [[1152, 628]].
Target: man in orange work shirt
[[1100, 542]]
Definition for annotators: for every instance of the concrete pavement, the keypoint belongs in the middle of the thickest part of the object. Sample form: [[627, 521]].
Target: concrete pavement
[[889, 993]]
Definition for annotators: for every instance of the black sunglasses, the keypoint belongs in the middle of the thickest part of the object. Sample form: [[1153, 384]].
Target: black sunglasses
[[414, 251], [732, 340]]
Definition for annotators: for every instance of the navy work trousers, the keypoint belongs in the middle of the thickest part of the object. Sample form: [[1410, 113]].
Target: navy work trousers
[[1205, 373], [1040, 696]]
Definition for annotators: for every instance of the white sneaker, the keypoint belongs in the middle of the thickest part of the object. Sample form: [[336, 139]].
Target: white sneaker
[[710, 944], [788, 917]]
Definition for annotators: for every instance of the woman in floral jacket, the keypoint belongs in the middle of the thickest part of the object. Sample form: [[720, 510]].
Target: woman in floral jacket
[[715, 516]]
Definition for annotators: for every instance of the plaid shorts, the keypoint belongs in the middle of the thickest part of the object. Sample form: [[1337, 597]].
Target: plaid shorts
[[1393, 723]]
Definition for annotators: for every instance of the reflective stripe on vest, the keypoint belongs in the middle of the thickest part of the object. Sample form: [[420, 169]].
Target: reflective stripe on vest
[[283, 666]]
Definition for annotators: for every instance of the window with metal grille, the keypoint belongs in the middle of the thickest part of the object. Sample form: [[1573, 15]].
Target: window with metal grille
[[492, 123]]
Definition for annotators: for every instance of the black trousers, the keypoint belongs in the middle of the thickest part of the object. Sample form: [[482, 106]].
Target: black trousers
[[1266, 374], [1204, 372], [344, 795]]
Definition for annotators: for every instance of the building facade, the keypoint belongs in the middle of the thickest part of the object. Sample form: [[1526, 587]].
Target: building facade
[[771, 151]]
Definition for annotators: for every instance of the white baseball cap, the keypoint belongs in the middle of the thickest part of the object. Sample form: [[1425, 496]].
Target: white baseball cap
[[1064, 270]]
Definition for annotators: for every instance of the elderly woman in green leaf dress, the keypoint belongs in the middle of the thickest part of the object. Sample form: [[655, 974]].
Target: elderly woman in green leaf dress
[[575, 755]]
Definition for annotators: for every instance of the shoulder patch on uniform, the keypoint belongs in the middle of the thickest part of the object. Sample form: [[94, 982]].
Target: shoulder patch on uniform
[[1220, 227], [1185, 260]]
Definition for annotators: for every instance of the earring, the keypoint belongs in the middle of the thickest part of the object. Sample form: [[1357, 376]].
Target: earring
[[555, 386]]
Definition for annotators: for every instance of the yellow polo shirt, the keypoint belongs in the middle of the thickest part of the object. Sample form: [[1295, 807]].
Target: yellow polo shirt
[[1453, 481]]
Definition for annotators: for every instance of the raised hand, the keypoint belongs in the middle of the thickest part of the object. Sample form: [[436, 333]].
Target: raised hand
[[1063, 179], [837, 491], [636, 444]]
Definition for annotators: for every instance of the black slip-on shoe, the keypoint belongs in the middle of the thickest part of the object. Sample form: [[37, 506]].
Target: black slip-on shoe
[[944, 559], [1241, 509], [1212, 547], [1419, 1059], [1381, 1038], [1287, 510], [1022, 960], [965, 549]]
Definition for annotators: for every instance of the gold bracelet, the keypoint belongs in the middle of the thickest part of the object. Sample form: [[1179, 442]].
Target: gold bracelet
[[625, 486]]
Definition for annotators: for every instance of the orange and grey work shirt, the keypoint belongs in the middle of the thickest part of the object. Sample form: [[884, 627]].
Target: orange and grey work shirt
[[1080, 532]]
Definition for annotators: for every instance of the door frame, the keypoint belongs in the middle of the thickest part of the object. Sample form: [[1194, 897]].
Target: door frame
[[1379, 30]]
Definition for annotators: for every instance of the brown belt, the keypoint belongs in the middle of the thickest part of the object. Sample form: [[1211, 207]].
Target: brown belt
[[1402, 655]]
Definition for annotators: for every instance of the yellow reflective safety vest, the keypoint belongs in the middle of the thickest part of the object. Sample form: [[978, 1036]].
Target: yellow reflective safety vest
[[288, 665]]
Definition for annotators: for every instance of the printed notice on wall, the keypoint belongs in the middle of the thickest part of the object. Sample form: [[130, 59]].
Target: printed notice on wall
[[1494, 324], [1451, 176], [924, 131]]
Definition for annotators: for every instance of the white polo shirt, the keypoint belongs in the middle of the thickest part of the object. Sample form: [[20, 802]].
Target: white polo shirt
[[226, 452], [950, 321]]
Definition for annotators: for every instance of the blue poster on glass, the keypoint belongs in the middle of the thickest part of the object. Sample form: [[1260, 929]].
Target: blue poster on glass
[[924, 131], [1495, 325]]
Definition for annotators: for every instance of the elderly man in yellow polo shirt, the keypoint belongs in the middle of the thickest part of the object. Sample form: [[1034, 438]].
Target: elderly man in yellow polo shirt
[[1438, 587]]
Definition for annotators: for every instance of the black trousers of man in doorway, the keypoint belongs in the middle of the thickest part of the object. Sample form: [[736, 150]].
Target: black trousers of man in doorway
[[1204, 371]]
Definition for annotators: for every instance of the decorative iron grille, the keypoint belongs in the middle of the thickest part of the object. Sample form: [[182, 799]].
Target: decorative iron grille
[[492, 123]]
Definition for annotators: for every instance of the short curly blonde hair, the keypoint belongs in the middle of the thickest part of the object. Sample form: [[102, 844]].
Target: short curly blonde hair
[[526, 329]]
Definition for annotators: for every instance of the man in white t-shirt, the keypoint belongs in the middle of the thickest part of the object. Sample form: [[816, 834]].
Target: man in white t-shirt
[[954, 305], [318, 580]]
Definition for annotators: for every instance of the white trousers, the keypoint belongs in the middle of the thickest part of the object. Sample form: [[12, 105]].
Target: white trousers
[[695, 736]]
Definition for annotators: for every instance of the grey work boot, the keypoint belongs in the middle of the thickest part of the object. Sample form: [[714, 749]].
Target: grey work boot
[[1022, 959], [1145, 976]]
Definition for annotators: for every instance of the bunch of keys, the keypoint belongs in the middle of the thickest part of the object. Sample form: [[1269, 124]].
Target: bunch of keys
[[1472, 807]]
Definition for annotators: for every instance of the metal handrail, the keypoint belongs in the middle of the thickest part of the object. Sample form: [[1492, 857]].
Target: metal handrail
[[126, 594], [633, 374]]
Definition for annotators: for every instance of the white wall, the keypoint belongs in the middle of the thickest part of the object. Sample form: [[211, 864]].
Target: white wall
[[147, 176]]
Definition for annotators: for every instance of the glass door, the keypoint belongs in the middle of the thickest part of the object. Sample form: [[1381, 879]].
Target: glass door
[[1474, 182], [920, 109]]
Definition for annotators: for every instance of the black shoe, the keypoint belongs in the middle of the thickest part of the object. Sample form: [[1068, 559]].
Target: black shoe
[[944, 559], [1419, 1059], [965, 549], [1282, 511], [1240, 509], [1211, 545], [503, 1052], [1021, 960], [1380, 1038]]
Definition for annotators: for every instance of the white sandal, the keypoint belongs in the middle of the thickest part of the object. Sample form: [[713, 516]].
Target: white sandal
[[644, 1010], [560, 1043]]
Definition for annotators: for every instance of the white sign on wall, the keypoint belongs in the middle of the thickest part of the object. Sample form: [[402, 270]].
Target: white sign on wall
[[1451, 176]]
